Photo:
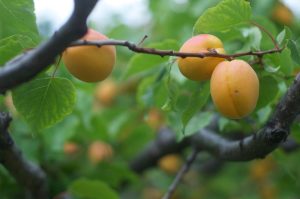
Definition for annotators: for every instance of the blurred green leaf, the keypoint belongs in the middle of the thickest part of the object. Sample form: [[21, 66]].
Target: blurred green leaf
[[196, 102], [263, 114], [142, 62], [224, 16], [283, 60], [268, 90], [151, 92], [197, 122], [284, 36], [252, 37], [266, 41], [120, 171], [295, 50], [92, 189], [17, 17], [13, 45], [271, 69], [44, 101]]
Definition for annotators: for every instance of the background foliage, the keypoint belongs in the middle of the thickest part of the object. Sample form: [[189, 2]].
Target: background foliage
[[144, 93]]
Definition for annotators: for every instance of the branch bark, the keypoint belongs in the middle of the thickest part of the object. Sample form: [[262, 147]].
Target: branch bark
[[138, 49], [164, 144], [23, 68], [257, 145], [25, 172], [26, 66], [185, 168]]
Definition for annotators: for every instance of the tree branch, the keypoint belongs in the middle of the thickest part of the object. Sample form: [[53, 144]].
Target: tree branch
[[136, 48], [164, 144], [180, 174], [257, 145], [26, 66], [25, 173]]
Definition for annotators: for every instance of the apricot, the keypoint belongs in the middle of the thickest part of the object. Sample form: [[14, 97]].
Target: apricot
[[282, 14], [195, 68], [154, 118], [70, 148], [234, 88], [260, 169], [106, 92], [90, 63], [170, 163], [99, 151]]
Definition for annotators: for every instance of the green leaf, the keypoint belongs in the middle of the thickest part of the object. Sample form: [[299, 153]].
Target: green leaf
[[17, 17], [268, 91], [197, 101], [252, 37], [283, 60], [172, 91], [13, 45], [283, 37], [44, 101], [224, 16], [151, 92], [92, 189], [119, 170], [143, 62], [295, 51], [266, 42], [271, 69], [197, 122], [263, 114]]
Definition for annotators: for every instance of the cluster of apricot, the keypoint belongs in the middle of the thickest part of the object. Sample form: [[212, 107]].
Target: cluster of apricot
[[234, 85]]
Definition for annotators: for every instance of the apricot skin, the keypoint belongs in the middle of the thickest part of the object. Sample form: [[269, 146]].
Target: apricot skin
[[195, 68], [99, 151], [90, 63], [106, 92], [234, 88], [170, 163]]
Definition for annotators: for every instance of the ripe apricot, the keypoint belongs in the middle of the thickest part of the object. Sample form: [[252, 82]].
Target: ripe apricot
[[90, 63], [106, 92], [282, 14], [70, 148], [195, 68], [234, 88], [99, 151], [154, 118], [170, 163], [260, 169]]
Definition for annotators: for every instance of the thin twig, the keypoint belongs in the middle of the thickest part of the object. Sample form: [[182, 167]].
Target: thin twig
[[267, 32], [26, 173], [136, 48], [143, 40], [180, 174]]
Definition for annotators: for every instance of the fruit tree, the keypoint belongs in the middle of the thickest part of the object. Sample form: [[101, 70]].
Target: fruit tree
[[200, 101]]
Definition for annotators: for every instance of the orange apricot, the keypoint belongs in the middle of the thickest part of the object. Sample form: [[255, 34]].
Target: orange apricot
[[90, 63], [195, 68], [170, 163], [106, 92], [234, 88], [99, 151]]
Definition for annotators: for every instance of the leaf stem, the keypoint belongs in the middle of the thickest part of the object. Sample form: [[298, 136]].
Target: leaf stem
[[267, 32]]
